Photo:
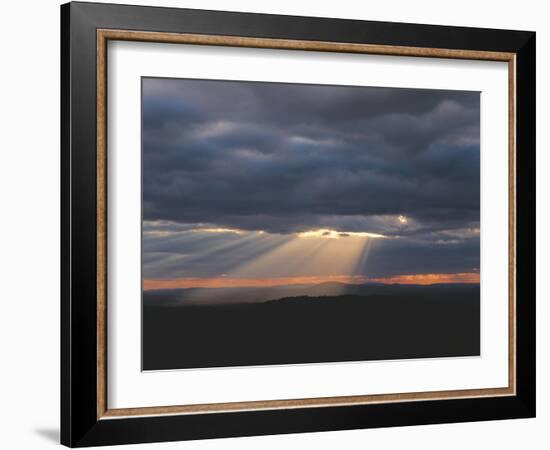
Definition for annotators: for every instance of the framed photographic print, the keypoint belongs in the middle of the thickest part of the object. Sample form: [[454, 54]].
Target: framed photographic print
[[276, 224]]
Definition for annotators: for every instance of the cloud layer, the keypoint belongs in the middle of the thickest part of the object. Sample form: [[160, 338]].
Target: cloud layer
[[287, 158]]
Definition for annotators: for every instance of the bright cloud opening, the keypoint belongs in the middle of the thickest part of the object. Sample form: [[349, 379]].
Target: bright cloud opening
[[333, 234]]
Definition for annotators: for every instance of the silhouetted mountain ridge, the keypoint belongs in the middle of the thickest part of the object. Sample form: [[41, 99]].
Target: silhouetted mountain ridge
[[388, 322], [235, 295]]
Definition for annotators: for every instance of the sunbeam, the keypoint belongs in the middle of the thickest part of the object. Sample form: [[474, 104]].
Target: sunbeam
[[361, 266], [315, 256]]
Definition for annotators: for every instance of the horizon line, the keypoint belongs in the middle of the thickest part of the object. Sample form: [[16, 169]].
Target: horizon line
[[234, 282]]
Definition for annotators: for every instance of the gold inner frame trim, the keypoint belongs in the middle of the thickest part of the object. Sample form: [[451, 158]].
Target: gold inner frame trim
[[103, 36]]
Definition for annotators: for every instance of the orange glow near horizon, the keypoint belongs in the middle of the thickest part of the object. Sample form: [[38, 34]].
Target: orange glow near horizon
[[430, 278], [224, 282]]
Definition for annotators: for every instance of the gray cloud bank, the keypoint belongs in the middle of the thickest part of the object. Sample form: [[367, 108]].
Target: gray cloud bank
[[285, 158]]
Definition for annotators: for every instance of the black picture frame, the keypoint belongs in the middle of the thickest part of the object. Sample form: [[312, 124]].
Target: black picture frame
[[80, 425]]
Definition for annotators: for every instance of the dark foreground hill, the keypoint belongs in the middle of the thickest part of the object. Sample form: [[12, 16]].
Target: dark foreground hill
[[387, 323], [231, 295]]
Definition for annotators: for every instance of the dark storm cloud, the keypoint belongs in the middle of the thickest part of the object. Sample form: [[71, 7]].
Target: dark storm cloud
[[287, 158]]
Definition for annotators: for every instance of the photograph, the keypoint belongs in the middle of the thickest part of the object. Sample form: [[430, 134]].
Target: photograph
[[287, 223], [281, 220]]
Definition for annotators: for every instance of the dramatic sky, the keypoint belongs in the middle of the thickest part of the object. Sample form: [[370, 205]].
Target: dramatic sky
[[249, 184]]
